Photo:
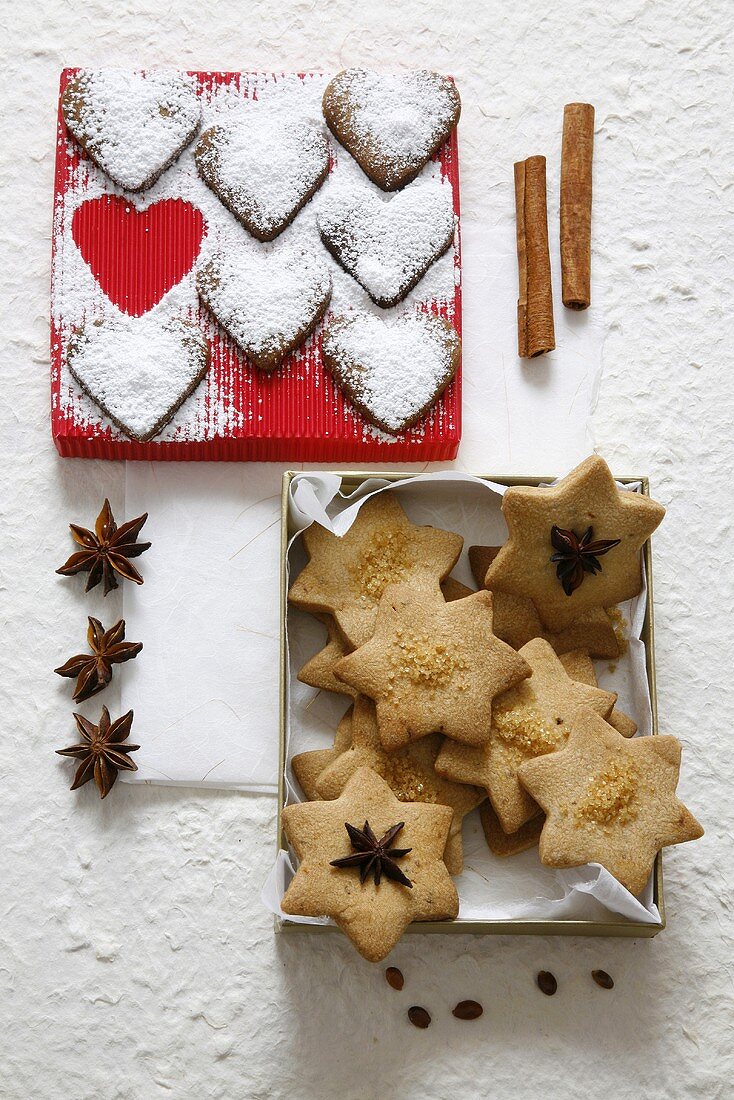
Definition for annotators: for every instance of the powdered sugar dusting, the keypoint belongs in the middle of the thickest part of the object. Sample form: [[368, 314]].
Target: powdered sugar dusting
[[392, 368], [396, 121], [211, 412], [265, 299], [263, 168], [387, 243], [133, 124], [138, 369]]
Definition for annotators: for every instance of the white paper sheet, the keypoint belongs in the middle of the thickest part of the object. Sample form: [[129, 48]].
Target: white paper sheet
[[490, 888], [205, 689]]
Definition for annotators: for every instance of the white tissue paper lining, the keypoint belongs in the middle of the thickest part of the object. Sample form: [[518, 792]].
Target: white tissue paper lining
[[490, 887]]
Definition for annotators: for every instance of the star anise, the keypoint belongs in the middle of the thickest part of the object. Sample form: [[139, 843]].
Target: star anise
[[102, 753], [374, 856], [93, 670], [575, 557], [107, 550]]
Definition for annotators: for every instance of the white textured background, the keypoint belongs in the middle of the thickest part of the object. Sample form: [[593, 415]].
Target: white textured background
[[135, 959]]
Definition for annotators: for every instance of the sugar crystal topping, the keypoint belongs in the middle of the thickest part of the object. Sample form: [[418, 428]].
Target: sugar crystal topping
[[425, 659], [610, 796], [523, 728], [387, 558]]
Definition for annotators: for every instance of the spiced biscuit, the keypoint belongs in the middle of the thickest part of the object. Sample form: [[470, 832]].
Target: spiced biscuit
[[346, 575], [139, 371], [504, 844], [133, 125], [609, 800], [318, 672], [308, 766], [580, 666], [387, 245], [409, 772], [516, 621], [529, 720], [262, 167], [374, 916], [267, 301], [432, 666], [393, 371], [391, 124], [557, 535]]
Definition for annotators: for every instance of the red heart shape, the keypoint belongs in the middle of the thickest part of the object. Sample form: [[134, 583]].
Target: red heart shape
[[137, 255]]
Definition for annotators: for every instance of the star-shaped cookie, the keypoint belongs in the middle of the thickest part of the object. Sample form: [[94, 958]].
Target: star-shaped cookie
[[609, 800], [529, 720], [409, 772], [346, 575], [308, 766], [373, 916], [318, 672], [516, 621], [432, 666], [505, 844], [585, 500], [580, 667]]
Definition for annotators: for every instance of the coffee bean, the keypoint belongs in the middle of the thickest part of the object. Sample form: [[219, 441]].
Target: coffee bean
[[603, 979], [547, 983], [468, 1010], [418, 1016], [394, 977]]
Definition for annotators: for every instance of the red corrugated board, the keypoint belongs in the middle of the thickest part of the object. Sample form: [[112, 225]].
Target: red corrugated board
[[296, 414]]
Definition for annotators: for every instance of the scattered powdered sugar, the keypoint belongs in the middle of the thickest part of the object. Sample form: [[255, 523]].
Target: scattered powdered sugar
[[78, 299], [263, 168], [138, 369], [399, 119], [387, 243], [393, 369], [132, 123], [265, 298]]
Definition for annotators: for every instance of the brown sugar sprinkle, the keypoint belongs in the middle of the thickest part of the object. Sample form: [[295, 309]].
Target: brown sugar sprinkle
[[385, 560], [547, 983], [468, 1010], [405, 782], [423, 659], [524, 729], [394, 977], [418, 1016], [610, 795], [603, 979]]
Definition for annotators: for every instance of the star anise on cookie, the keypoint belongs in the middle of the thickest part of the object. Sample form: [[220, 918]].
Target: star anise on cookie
[[374, 857], [101, 752], [93, 670], [575, 557], [106, 550]]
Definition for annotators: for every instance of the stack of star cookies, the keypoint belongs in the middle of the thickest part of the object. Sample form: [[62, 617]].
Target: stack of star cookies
[[463, 699]]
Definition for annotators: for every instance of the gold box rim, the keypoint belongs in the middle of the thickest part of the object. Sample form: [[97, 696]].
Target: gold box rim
[[621, 929]]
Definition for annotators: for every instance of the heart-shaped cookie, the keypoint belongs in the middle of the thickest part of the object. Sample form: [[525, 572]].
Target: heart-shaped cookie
[[266, 300], [139, 371], [263, 169], [137, 256], [393, 371], [132, 125], [392, 125], [387, 245]]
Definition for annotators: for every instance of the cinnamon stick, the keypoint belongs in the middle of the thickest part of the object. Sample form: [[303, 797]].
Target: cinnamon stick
[[535, 333], [576, 160]]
